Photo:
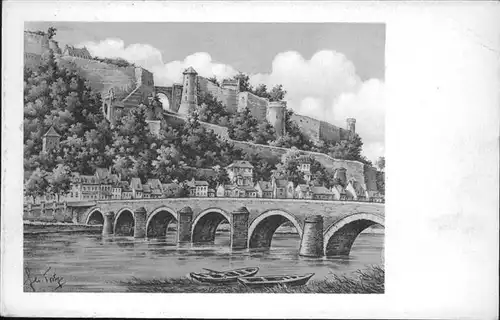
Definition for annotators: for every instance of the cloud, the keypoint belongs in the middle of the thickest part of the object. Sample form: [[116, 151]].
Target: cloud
[[325, 87], [150, 58]]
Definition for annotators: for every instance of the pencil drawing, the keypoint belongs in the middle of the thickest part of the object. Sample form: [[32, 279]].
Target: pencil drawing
[[265, 174]]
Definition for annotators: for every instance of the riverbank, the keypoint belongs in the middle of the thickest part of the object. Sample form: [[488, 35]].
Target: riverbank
[[370, 280], [38, 227]]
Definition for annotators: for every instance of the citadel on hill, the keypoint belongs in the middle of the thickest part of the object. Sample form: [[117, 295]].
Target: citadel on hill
[[124, 87]]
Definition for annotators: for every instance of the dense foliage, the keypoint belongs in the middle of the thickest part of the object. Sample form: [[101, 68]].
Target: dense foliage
[[55, 95]]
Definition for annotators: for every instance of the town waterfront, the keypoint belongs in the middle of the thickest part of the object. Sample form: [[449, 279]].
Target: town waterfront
[[90, 263]]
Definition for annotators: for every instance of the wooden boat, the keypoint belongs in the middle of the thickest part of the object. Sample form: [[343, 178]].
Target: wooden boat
[[221, 277], [270, 281]]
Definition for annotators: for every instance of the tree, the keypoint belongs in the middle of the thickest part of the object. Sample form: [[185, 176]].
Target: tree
[[263, 133], [55, 95], [214, 80], [381, 163], [51, 32], [380, 176], [244, 82], [277, 93], [59, 180], [288, 168], [37, 184], [261, 91]]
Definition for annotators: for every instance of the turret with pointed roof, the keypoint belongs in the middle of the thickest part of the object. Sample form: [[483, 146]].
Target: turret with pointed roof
[[50, 140]]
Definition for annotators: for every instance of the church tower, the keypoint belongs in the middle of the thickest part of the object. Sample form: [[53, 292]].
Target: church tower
[[189, 92], [50, 140]]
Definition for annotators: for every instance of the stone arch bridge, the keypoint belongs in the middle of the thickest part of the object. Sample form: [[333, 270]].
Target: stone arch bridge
[[325, 227]]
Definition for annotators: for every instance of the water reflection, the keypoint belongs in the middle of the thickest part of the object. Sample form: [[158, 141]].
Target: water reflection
[[91, 262]]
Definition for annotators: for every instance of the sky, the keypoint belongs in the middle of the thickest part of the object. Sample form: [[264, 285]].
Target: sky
[[331, 71]]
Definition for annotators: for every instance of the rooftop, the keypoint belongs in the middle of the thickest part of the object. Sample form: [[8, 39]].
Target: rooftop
[[51, 133], [240, 164], [190, 70]]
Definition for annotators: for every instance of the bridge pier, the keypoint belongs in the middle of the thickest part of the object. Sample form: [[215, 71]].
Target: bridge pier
[[311, 244], [107, 228], [239, 235], [140, 223], [184, 225]]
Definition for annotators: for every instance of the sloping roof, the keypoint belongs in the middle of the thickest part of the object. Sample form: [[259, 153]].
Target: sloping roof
[[200, 183], [321, 190], [135, 183], [240, 164], [190, 70], [211, 190], [303, 187], [248, 188], [51, 133], [154, 183], [281, 183], [146, 188], [265, 185]]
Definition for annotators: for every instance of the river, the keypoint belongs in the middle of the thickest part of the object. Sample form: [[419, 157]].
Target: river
[[88, 262]]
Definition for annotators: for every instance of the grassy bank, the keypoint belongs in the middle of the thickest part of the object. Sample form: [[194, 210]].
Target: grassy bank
[[370, 280]]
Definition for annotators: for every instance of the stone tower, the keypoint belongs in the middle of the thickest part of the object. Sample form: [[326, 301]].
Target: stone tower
[[276, 116], [189, 92], [50, 140], [351, 125]]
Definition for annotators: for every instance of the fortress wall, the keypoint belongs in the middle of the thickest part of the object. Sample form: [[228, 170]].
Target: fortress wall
[[103, 76], [257, 105], [355, 169], [329, 132], [174, 119], [145, 79], [228, 97], [309, 126], [35, 43]]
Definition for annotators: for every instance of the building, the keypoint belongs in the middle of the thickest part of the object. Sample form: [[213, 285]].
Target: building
[[264, 189], [156, 188], [171, 190], [82, 53], [146, 191], [303, 191], [339, 192], [231, 191], [250, 192], [50, 140], [198, 189], [356, 191], [136, 187], [304, 166], [126, 190], [282, 188], [90, 187], [321, 193], [240, 173]]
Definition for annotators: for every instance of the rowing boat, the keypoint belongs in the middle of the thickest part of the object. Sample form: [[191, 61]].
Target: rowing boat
[[270, 281], [221, 277]]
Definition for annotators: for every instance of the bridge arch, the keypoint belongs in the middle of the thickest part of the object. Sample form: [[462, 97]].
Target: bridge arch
[[263, 227], [158, 221], [94, 216], [124, 222], [206, 223], [340, 236]]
